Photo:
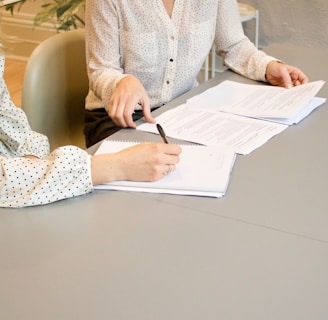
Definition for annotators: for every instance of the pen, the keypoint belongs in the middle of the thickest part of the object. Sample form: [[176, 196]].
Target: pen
[[161, 132]]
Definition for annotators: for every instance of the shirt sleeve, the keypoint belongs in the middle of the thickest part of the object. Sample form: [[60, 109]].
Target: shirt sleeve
[[64, 173], [16, 136], [102, 52], [238, 52]]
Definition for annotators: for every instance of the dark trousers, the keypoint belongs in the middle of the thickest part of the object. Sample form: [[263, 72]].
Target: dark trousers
[[98, 125]]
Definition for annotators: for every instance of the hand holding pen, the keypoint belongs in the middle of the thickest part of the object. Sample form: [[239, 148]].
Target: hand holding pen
[[163, 135]]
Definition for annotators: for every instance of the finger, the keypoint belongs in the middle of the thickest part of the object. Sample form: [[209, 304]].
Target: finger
[[165, 169], [171, 168], [171, 149], [168, 169], [170, 160], [121, 112], [297, 75], [115, 104], [286, 78], [146, 111], [116, 115], [111, 109], [302, 78], [128, 118]]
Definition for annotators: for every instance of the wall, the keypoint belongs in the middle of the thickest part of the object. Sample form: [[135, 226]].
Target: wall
[[22, 34], [300, 22]]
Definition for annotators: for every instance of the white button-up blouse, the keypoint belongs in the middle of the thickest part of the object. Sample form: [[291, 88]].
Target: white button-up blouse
[[165, 54]]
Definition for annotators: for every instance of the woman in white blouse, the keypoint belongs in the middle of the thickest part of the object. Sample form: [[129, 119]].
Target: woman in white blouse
[[142, 54], [30, 176]]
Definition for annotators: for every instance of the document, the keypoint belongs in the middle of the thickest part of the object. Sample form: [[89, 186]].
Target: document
[[209, 127], [238, 116], [303, 113], [258, 101], [202, 171]]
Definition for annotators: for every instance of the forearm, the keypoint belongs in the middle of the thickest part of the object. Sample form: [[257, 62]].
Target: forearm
[[238, 52], [63, 174], [105, 168], [102, 49], [246, 60]]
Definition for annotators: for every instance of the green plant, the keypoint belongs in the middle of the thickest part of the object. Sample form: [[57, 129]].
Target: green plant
[[65, 14]]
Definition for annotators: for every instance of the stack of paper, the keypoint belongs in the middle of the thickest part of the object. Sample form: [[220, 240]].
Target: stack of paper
[[202, 171], [287, 106], [238, 116]]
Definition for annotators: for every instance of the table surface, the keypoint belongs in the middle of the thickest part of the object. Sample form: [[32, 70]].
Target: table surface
[[260, 252]]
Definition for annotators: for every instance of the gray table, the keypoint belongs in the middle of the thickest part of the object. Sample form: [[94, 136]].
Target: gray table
[[261, 252]]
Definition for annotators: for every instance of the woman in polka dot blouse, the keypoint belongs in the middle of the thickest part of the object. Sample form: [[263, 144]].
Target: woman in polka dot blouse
[[142, 54], [30, 176]]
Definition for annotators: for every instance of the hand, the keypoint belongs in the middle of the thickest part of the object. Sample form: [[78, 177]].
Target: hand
[[284, 75], [128, 93], [142, 162]]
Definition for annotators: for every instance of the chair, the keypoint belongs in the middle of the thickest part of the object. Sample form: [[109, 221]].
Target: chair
[[55, 86]]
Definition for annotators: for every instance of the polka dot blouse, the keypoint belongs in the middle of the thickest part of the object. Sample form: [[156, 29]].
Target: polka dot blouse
[[34, 181], [165, 54]]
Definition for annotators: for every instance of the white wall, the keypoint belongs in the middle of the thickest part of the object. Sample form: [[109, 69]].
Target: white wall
[[299, 22]]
